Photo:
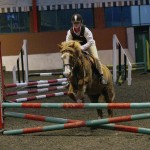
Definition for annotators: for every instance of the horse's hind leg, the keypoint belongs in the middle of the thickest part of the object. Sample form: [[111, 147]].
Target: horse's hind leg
[[95, 99], [109, 98]]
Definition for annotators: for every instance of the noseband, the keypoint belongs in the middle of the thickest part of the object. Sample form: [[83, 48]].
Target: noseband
[[72, 65]]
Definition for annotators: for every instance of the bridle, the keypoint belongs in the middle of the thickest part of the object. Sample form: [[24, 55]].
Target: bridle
[[74, 59]]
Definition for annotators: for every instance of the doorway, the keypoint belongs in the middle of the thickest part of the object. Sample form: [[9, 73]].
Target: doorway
[[139, 32]]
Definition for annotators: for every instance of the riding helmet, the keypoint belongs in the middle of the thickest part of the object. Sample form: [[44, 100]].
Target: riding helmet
[[76, 18]]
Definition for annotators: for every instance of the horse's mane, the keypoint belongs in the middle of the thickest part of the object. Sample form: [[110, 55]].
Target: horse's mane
[[73, 46]]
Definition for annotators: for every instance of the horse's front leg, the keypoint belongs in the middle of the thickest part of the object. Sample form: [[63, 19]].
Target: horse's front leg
[[71, 93], [81, 91]]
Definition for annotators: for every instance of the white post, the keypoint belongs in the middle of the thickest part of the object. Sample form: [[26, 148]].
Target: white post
[[114, 59], [14, 75], [129, 73], [25, 60]]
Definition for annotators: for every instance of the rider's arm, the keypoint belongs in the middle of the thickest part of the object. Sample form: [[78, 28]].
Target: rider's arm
[[68, 36], [89, 37]]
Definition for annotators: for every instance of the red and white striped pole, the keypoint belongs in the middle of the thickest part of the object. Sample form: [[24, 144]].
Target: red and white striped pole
[[24, 99], [35, 83], [35, 91]]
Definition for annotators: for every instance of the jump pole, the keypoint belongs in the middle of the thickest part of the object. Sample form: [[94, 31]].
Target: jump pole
[[78, 124], [35, 91], [45, 74], [48, 85], [24, 99], [64, 121], [38, 117], [78, 105], [35, 83]]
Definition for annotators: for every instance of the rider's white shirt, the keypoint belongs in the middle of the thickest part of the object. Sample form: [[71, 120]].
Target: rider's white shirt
[[87, 34]]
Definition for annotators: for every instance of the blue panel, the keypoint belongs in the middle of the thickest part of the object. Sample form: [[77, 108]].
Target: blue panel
[[116, 16], [145, 14], [64, 19], [135, 20], [113, 16], [61, 19], [88, 16], [126, 17], [108, 17]]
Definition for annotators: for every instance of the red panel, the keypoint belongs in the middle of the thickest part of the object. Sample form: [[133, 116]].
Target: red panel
[[35, 24]]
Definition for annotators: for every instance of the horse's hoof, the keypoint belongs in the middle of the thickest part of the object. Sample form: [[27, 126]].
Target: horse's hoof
[[79, 101]]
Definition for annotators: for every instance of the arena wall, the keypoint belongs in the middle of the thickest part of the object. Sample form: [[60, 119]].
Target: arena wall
[[43, 45]]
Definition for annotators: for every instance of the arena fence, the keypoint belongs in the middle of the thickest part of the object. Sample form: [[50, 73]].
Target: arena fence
[[21, 76]]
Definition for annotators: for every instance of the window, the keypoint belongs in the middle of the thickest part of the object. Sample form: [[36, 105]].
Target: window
[[48, 20], [64, 19], [145, 14], [61, 19], [127, 16], [135, 18], [109, 17], [88, 16], [117, 16], [113, 17], [14, 22], [140, 15]]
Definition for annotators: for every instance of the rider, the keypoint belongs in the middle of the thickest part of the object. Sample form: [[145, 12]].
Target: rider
[[81, 33]]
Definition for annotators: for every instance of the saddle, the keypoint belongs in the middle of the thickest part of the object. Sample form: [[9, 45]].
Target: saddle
[[92, 62]]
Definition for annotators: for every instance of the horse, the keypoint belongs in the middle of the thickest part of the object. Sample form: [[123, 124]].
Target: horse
[[80, 69]]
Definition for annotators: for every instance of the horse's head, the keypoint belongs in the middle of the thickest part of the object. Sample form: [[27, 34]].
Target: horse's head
[[71, 52]]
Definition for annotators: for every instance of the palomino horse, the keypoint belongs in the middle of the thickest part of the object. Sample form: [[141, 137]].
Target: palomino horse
[[83, 76]]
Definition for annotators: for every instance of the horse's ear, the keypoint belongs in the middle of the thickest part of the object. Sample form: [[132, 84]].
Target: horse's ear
[[60, 46], [72, 44]]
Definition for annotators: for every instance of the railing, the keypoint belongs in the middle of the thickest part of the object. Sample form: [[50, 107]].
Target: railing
[[127, 62], [23, 60]]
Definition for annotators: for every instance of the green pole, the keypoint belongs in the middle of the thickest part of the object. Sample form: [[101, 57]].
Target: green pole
[[144, 53], [148, 55]]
